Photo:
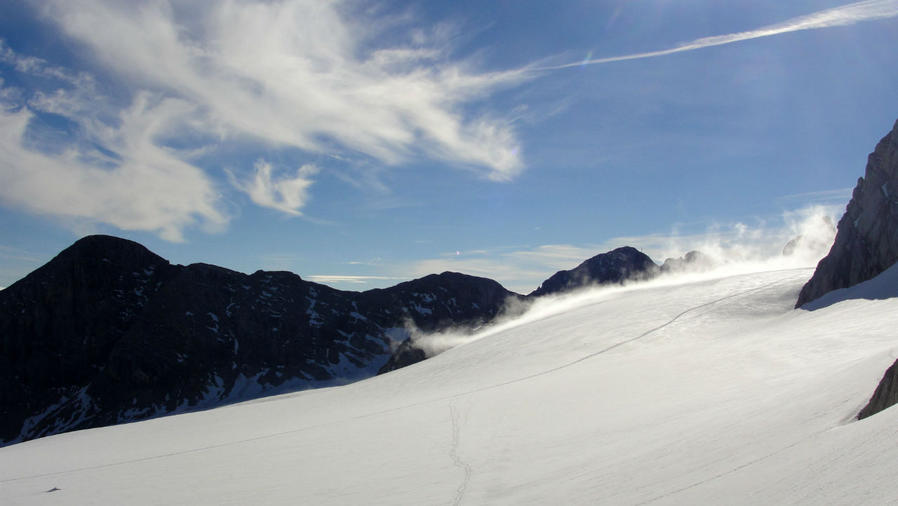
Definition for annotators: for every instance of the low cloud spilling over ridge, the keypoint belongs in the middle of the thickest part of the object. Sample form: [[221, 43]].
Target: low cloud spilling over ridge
[[733, 245], [735, 249]]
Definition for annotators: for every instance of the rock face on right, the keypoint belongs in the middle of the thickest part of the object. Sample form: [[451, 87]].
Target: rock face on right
[[867, 239], [885, 396]]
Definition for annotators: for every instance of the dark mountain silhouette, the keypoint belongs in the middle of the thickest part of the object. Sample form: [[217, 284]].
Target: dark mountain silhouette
[[108, 332], [613, 267], [616, 266]]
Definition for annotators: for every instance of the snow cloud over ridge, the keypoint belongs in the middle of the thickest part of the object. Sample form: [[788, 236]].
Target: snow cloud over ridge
[[734, 247]]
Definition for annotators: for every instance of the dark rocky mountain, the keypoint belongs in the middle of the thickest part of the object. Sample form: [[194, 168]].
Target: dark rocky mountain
[[108, 332], [866, 245], [613, 267], [616, 266], [866, 240], [406, 354], [886, 394], [442, 300]]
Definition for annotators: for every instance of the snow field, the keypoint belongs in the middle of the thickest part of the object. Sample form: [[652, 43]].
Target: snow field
[[705, 392]]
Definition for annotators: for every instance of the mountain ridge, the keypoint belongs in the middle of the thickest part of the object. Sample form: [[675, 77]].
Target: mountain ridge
[[108, 332]]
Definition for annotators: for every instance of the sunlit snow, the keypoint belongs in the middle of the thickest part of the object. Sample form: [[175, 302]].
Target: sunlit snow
[[697, 391]]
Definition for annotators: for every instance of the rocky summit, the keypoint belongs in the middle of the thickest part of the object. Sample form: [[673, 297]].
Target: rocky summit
[[615, 266], [866, 240], [108, 332], [693, 261]]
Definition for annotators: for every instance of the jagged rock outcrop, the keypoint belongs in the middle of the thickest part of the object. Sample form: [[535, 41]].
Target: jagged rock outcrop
[[693, 261], [108, 332], [405, 355], [886, 394], [866, 242], [616, 266]]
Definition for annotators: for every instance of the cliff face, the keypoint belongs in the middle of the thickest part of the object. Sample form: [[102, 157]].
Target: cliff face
[[867, 238], [108, 332]]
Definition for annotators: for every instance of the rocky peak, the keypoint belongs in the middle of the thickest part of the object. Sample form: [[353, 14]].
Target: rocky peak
[[615, 266], [866, 241], [693, 261], [438, 300]]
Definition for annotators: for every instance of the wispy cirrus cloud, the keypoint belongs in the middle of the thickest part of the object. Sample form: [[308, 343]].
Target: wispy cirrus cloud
[[294, 74], [289, 75], [285, 74], [836, 196], [149, 188], [300, 73], [849, 14]]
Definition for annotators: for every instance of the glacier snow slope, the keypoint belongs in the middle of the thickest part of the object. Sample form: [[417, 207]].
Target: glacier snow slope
[[706, 391]]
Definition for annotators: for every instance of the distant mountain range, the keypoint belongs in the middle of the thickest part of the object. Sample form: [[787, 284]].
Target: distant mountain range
[[108, 332]]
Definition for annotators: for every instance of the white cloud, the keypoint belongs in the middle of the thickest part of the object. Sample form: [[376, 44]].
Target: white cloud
[[348, 279], [293, 73], [298, 73], [148, 189], [283, 194], [844, 15], [289, 74], [40, 67]]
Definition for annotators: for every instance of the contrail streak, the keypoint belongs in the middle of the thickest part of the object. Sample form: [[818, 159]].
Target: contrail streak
[[838, 16]]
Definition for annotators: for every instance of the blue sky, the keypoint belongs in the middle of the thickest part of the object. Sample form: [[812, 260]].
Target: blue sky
[[365, 143]]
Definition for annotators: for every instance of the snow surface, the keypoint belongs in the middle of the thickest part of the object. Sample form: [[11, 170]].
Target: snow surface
[[712, 391]]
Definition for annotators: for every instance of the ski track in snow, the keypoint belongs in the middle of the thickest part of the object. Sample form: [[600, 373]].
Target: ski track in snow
[[454, 456], [621, 343], [454, 417], [734, 469]]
